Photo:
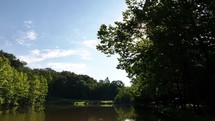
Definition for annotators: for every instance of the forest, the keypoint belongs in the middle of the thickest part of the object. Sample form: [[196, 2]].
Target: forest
[[21, 85], [166, 47]]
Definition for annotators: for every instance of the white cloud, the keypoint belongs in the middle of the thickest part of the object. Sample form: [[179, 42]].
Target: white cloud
[[37, 55], [77, 68], [31, 35], [26, 38], [90, 43], [83, 53], [57, 53], [28, 24], [36, 52]]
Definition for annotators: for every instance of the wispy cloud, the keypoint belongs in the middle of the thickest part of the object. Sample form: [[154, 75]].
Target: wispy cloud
[[77, 68], [25, 38], [41, 55], [5, 41], [31, 35], [28, 24], [76, 31], [90, 43], [84, 54], [37, 55]]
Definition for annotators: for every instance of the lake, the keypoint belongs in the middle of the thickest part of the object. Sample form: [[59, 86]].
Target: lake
[[117, 113]]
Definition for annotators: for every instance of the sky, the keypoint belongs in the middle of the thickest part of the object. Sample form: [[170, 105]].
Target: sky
[[61, 34]]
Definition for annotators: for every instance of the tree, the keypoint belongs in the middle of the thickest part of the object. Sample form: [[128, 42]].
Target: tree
[[124, 96], [165, 46], [6, 85], [18, 84], [14, 62], [21, 87]]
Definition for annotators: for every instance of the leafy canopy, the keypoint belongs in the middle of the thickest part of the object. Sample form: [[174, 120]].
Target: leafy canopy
[[165, 46]]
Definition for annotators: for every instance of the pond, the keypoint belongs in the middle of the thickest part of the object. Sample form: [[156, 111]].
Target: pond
[[71, 113]]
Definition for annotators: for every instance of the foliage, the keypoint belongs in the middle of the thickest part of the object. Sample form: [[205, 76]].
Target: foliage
[[18, 87], [72, 86], [124, 96], [167, 48], [106, 90], [13, 61]]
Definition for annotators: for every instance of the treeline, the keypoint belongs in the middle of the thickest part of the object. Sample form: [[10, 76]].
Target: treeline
[[20, 85], [69, 85], [167, 47]]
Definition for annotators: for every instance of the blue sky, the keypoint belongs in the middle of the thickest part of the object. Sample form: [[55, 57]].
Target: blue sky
[[60, 34]]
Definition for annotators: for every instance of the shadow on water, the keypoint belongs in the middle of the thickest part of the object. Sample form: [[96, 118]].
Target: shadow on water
[[94, 113], [81, 114]]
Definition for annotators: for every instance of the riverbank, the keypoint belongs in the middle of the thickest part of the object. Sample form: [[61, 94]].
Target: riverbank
[[103, 103]]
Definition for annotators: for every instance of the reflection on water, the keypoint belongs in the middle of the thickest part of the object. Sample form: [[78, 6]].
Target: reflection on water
[[82, 114], [68, 113], [71, 113], [22, 114]]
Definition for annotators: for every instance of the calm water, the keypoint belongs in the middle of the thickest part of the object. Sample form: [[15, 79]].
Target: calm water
[[70, 113]]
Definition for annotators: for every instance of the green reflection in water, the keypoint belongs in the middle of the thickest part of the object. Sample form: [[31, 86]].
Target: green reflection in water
[[22, 114], [117, 113], [125, 113]]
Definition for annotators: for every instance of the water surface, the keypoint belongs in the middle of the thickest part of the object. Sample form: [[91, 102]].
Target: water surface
[[68, 113], [117, 113]]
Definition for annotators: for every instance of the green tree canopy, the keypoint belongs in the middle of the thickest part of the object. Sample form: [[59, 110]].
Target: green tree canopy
[[18, 84], [167, 47]]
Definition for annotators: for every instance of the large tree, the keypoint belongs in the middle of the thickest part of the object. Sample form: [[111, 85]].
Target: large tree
[[167, 47]]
